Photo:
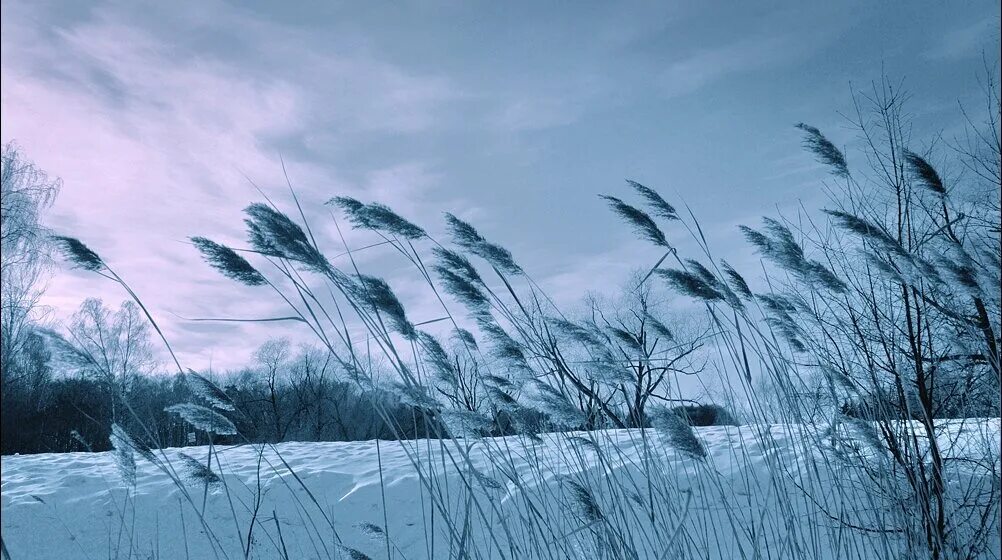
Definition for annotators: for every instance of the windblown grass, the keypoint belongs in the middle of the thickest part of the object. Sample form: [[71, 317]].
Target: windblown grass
[[801, 478]]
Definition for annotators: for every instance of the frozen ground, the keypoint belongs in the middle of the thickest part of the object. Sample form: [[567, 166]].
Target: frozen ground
[[741, 499]]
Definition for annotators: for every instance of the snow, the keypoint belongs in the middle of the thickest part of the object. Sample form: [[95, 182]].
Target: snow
[[76, 505]]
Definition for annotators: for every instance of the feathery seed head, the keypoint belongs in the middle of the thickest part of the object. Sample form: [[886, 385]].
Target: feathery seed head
[[661, 207], [437, 357], [196, 473], [736, 281], [641, 222], [460, 287], [680, 433], [468, 238], [124, 459], [203, 418], [560, 411], [825, 152], [691, 285], [925, 173], [79, 254], [378, 295], [504, 346], [465, 423], [274, 234], [465, 337], [208, 391], [866, 230], [583, 500], [376, 216], [227, 261], [122, 438]]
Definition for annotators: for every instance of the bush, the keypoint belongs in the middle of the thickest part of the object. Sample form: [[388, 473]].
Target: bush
[[705, 415]]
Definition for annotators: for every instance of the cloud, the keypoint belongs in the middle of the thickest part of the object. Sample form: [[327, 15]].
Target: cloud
[[529, 113], [965, 41], [155, 144], [158, 116], [700, 68]]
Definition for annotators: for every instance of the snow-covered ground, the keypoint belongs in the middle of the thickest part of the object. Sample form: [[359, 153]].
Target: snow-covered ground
[[557, 497]]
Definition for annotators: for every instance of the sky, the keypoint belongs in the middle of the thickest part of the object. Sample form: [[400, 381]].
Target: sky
[[163, 119]]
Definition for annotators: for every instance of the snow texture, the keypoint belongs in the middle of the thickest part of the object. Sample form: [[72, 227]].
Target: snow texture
[[76, 505]]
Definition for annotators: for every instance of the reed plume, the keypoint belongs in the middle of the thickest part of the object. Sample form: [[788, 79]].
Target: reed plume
[[228, 262], [822, 148]]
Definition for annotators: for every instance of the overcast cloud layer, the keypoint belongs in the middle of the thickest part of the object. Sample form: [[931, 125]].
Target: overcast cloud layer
[[159, 117]]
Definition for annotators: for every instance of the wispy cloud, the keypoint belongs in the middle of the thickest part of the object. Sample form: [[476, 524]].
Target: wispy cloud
[[965, 41], [157, 117], [154, 146], [698, 69]]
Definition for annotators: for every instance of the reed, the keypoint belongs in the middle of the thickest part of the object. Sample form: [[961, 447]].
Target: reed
[[887, 299]]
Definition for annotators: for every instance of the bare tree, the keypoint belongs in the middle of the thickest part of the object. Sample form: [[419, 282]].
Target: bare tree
[[117, 345], [273, 361], [649, 352], [317, 392], [26, 192], [463, 387]]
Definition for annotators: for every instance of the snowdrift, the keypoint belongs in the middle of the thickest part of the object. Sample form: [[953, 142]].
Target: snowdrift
[[775, 490]]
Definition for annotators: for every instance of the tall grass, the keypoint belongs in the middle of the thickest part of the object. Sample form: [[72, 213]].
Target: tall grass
[[876, 320]]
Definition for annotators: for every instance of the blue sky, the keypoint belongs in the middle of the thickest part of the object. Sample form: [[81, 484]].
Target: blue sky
[[513, 115]]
